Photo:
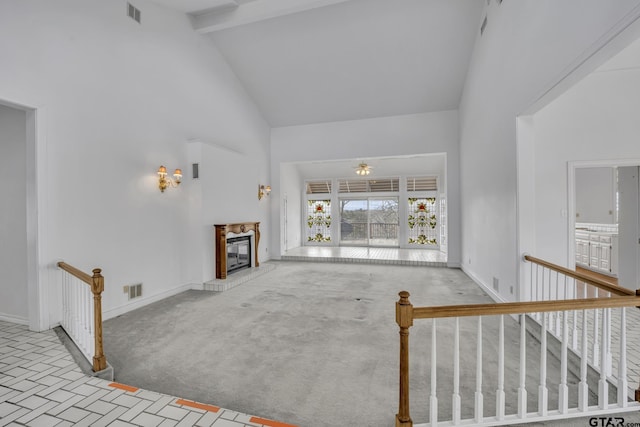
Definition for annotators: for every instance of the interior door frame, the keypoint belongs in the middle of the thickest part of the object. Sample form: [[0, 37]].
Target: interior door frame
[[571, 196], [38, 272]]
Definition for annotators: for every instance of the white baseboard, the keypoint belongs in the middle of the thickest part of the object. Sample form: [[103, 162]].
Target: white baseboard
[[14, 319], [117, 311], [454, 264], [489, 290]]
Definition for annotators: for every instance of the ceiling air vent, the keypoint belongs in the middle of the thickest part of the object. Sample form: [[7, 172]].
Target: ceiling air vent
[[133, 13]]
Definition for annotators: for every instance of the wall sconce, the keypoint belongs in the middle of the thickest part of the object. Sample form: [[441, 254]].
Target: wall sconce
[[164, 182], [263, 190]]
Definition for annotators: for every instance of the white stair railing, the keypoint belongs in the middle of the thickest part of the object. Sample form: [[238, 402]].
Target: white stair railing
[[82, 312], [568, 402], [546, 280]]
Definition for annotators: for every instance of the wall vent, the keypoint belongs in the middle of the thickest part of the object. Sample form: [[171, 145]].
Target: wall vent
[[483, 26], [135, 291], [195, 170], [496, 285], [134, 13]]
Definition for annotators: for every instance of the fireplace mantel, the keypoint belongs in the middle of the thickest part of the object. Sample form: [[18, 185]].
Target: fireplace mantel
[[221, 243]]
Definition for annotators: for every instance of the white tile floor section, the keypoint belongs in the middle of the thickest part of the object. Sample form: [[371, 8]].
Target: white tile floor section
[[367, 255], [41, 386]]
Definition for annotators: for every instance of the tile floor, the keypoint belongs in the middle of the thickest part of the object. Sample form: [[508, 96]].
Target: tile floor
[[41, 386], [366, 255]]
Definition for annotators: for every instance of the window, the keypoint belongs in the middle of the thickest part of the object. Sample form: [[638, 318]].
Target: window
[[369, 221], [318, 221], [319, 187], [368, 185], [422, 221]]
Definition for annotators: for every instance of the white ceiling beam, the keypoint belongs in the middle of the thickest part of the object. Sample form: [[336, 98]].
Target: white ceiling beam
[[253, 11]]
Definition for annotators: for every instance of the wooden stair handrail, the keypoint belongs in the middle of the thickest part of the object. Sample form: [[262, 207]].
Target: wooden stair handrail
[[97, 287], [75, 272], [406, 313], [524, 307], [609, 287]]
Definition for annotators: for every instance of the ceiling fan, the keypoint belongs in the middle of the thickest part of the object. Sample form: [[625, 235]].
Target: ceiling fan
[[363, 169]]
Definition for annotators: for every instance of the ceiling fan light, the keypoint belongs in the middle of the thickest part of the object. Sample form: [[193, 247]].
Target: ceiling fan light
[[363, 169]]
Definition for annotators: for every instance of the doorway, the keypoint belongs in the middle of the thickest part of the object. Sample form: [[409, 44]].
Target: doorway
[[372, 221], [22, 146], [13, 213], [606, 232]]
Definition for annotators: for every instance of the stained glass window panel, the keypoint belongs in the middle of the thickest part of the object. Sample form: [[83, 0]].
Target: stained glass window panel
[[318, 221], [422, 221]]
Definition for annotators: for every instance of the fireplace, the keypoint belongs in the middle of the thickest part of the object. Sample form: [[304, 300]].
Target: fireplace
[[238, 253]]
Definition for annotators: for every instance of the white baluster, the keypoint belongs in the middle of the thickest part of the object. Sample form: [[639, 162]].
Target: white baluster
[[596, 337], [522, 390], [583, 387], [609, 357], [563, 389], [479, 407], [543, 393], [74, 310], [500, 396], [551, 315], [83, 310], [603, 385], [557, 298], [433, 400], [92, 342], [622, 366], [65, 309], [574, 332], [88, 319], [537, 298], [455, 401]]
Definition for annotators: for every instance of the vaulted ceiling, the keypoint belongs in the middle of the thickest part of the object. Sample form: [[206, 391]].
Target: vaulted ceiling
[[313, 61]]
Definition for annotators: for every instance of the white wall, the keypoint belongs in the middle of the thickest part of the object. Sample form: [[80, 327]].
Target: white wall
[[13, 207], [380, 137], [595, 195], [629, 228], [528, 46], [595, 120], [115, 100]]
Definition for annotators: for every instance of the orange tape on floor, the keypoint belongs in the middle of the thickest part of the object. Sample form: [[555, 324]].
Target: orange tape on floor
[[197, 405], [269, 423], [124, 387]]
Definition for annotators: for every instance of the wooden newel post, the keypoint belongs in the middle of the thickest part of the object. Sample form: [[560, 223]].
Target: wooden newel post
[[404, 319], [97, 287]]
